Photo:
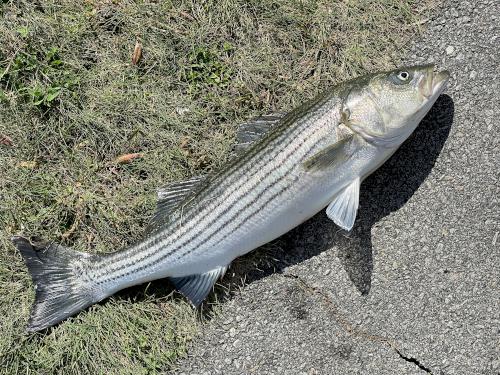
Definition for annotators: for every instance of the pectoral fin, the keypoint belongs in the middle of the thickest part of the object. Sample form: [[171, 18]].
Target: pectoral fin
[[344, 206], [196, 287], [330, 156]]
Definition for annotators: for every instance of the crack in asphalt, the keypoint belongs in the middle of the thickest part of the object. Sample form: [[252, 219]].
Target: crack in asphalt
[[348, 326], [415, 361]]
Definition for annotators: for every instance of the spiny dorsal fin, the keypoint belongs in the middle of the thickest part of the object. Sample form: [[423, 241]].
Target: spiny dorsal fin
[[344, 206], [170, 196], [253, 130], [330, 156], [196, 287]]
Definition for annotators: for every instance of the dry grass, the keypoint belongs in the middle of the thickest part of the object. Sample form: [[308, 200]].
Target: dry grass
[[71, 102]]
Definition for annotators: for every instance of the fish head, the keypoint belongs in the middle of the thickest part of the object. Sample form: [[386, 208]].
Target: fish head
[[385, 108]]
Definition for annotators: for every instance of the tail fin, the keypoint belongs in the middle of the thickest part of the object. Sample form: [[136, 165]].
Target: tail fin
[[57, 273]]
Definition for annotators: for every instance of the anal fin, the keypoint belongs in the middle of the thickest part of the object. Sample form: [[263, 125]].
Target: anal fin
[[197, 287]]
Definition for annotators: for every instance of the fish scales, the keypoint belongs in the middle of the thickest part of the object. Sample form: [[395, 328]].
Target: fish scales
[[266, 163], [237, 171]]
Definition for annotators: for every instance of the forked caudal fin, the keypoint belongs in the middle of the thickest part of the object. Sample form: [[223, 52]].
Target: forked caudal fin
[[61, 286]]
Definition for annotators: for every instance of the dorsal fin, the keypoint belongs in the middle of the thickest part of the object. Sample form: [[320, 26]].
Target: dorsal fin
[[253, 130], [196, 287], [170, 196]]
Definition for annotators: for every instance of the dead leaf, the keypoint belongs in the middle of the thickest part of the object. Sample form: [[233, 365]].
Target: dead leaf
[[136, 56], [265, 97], [185, 147], [6, 140], [113, 170], [127, 158], [71, 230], [186, 16], [202, 162], [184, 142], [27, 164]]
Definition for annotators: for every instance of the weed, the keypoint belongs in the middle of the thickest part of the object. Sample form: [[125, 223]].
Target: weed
[[38, 78], [204, 67]]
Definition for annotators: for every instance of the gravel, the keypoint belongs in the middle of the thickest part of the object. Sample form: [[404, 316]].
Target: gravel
[[414, 288]]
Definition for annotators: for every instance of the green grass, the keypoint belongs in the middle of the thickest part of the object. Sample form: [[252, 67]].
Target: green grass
[[71, 101]]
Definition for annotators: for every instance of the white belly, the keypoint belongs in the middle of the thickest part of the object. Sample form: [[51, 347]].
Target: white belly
[[310, 194]]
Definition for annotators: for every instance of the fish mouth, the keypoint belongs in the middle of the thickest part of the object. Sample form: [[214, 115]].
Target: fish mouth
[[433, 83], [439, 81]]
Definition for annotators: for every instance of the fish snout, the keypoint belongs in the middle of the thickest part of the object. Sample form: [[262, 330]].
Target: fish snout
[[439, 81], [432, 82]]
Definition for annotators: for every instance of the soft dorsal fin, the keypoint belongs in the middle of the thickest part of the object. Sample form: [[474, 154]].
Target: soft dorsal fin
[[344, 206], [253, 130], [330, 156], [170, 196], [196, 287]]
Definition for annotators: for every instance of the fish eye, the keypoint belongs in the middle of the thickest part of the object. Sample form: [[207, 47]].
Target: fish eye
[[403, 76]]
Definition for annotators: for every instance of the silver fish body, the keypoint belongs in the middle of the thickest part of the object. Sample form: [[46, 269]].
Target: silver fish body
[[312, 157], [255, 199]]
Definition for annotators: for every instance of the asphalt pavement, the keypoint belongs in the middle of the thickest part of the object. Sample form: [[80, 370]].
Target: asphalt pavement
[[414, 288]]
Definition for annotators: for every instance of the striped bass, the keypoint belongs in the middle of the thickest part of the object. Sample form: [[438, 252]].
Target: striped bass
[[289, 168]]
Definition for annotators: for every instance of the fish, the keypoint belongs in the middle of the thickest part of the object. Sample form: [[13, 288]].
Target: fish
[[288, 167]]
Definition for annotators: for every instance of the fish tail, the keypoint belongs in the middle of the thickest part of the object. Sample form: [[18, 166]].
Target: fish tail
[[61, 284]]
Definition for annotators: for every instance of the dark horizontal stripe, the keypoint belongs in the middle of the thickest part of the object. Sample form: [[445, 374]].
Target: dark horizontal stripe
[[204, 212], [245, 208], [233, 218], [233, 172]]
